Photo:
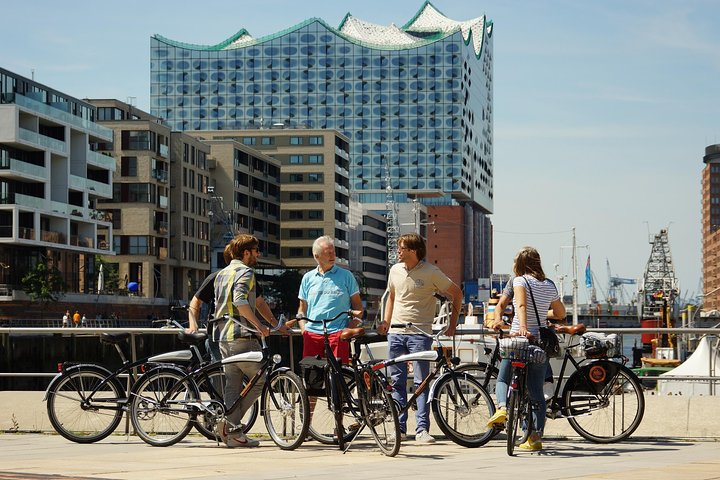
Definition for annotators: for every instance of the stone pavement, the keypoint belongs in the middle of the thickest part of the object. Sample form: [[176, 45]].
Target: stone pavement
[[39, 456]]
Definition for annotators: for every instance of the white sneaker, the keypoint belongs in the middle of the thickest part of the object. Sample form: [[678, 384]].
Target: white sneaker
[[239, 439], [424, 437]]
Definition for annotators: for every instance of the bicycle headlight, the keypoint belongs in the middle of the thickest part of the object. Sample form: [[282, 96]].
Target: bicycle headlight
[[277, 359]]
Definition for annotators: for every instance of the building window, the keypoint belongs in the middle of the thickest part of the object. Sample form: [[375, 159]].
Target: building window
[[128, 166], [296, 159], [315, 196], [316, 140], [316, 159], [295, 215], [315, 214], [315, 177], [137, 245], [248, 140], [296, 140], [297, 177], [268, 141], [296, 196]]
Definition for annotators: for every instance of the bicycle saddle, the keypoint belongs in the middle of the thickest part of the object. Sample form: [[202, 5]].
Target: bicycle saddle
[[578, 329], [350, 333], [192, 338]]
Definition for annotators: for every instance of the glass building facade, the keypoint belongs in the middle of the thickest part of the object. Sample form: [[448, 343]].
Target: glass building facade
[[415, 101]]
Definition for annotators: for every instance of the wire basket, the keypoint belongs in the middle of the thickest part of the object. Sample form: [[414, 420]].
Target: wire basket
[[598, 345], [520, 349]]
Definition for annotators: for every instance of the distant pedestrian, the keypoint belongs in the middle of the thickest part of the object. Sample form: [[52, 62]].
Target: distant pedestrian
[[66, 319], [83, 321], [76, 318]]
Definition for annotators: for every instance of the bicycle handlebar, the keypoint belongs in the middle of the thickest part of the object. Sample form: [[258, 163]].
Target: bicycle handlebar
[[326, 320], [411, 325], [169, 323]]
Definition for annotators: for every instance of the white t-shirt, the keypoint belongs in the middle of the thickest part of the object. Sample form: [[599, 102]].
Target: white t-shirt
[[544, 294]]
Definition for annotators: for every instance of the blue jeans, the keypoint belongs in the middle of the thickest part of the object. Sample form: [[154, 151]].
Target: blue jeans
[[536, 378], [400, 344]]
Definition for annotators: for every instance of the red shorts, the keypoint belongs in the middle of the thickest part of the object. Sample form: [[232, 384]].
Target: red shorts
[[314, 344]]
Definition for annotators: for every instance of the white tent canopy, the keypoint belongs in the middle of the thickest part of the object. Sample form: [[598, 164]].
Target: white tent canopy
[[704, 362]]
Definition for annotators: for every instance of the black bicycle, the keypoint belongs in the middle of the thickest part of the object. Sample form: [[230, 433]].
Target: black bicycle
[[460, 405], [602, 399], [355, 397], [166, 402], [86, 401]]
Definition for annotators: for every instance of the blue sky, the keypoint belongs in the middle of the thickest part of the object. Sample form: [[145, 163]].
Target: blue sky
[[603, 109]]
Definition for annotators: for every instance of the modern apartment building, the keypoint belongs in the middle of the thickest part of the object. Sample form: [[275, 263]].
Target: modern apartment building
[[711, 227], [368, 255], [415, 102], [244, 196], [158, 208], [51, 181], [314, 187]]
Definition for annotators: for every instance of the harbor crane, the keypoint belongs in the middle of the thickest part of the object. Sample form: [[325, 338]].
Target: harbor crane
[[615, 291]]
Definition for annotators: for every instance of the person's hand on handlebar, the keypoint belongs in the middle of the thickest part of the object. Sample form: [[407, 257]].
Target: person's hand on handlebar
[[382, 328]]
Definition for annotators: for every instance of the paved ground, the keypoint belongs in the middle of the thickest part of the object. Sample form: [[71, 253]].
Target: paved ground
[[36, 456]]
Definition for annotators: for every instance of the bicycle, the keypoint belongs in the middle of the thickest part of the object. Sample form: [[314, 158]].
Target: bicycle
[[460, 405], [166, 401], [86, 401], [358, 393], [602, 399]]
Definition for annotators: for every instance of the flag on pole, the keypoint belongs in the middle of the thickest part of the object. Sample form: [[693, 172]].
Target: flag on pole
[[588, 274]]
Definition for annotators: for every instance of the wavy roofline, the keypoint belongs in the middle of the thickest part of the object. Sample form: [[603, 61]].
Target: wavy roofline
[[228, 43]]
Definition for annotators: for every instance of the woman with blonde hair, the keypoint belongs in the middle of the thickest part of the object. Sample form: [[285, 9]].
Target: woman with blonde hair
[[534, 295]]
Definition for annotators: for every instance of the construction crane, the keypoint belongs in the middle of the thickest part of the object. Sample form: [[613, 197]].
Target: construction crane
[[616, 292], [218, 216], [659, 286]]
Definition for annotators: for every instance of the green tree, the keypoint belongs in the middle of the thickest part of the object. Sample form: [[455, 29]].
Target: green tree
[[44, 283]]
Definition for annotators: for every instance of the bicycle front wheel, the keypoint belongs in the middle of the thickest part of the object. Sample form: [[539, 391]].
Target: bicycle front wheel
[[286, 409], [381, 414], [519, 418], [322, 420], [159, 408], [462, 408], [212, 394], [82, 411], [604, 402]]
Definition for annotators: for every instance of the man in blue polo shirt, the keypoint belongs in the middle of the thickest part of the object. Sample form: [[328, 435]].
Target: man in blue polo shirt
[[324, 292]]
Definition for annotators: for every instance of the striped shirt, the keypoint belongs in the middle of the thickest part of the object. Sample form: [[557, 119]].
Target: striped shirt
[[234, 285], [544, 294]]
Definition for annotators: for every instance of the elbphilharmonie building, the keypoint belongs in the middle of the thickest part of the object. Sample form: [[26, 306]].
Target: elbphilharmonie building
[[416, 101]]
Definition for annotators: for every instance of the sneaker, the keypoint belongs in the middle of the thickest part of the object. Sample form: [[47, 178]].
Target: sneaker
[[239, 439], [498, 418], [221, 430], [531, 445], [424, 437], [403, 437]]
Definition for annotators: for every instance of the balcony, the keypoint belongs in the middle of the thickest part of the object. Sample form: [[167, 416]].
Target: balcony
[[98, 188], [100, 160], [53, 237], [21, 170], [58, 114], [161, 175], [32, 202], [78, 241], [162, 227], [42, 140]]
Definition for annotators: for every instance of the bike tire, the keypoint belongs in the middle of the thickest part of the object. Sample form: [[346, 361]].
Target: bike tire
[[518, 409], [602, 409], [322, 419], [483, 372], [89, 423], [380, 413], [161, 420], [286, 409], [206, 421], [462, 408]]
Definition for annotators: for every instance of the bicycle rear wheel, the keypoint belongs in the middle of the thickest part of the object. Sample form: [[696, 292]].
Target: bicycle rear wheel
[[604, 402], [80, 415], [519, 419], [322, 420], [162, 419], [286, 409], [212, 389], [380, 413], [462, 408]]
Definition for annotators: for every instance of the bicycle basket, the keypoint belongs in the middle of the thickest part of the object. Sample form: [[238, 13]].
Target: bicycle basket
[[514, 348], [536, 354], [598, 345]]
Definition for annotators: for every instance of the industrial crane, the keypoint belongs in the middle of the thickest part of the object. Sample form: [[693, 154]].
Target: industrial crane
[[615, 286]]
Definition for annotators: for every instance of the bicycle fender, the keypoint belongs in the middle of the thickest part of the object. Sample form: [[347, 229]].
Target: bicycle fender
[[80, 366], [431, 394], [160, 368]]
